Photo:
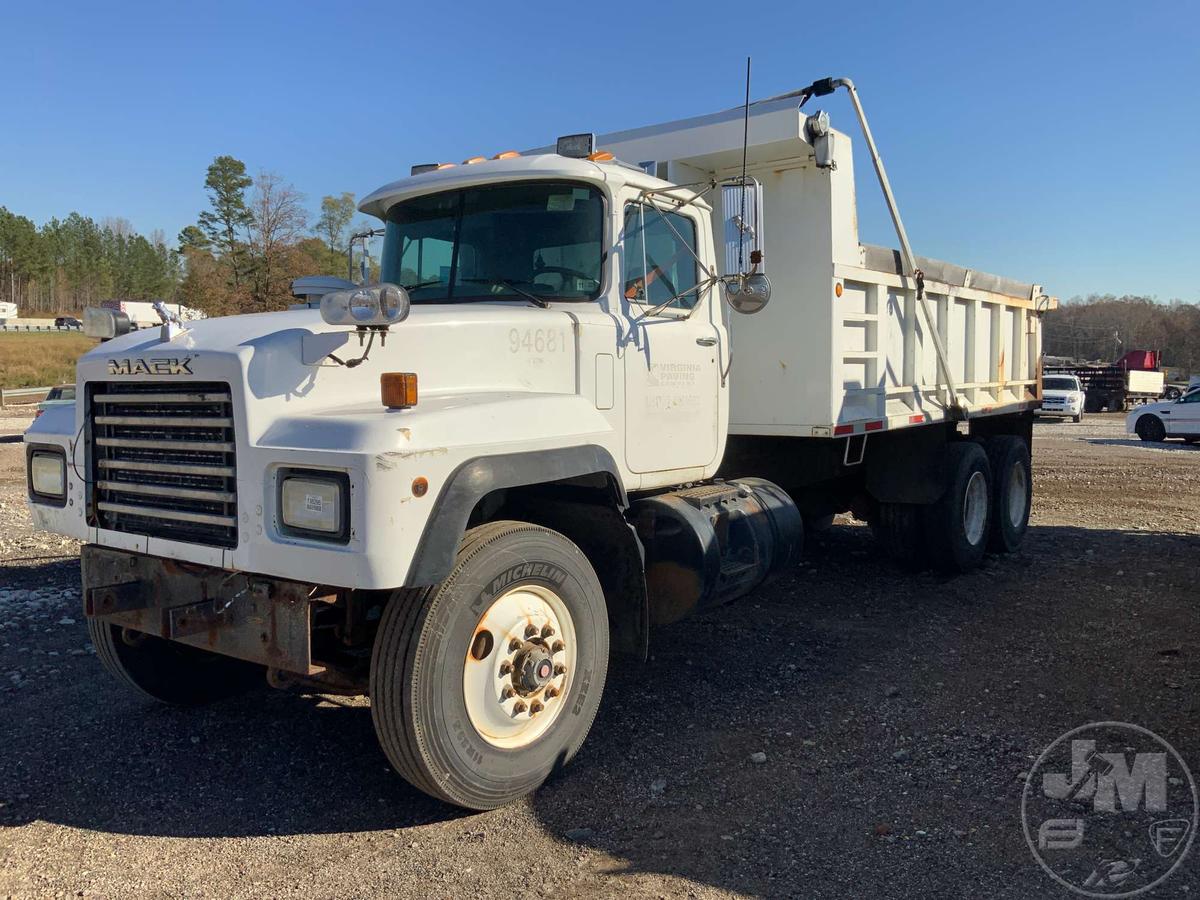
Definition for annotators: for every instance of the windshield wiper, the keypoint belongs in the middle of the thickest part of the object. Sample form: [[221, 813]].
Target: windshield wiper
[[421, 284], [511, 285]]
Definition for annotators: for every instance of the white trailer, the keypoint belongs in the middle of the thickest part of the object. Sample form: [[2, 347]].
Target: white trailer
[[142, 313], [456, 490]]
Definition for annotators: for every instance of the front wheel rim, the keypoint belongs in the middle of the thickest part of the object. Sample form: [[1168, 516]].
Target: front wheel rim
[[518, 667], [975, 504]]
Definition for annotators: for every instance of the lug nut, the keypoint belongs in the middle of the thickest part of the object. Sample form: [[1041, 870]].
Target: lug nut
[[551, 692], [519, 707], [548, 631], [505, 668], [530, 631], [558, 647], [506, 694], [536, 707], [514, 645], [560, 669]]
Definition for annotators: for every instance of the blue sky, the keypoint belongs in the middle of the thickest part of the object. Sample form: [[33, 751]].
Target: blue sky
[[1049, 141]]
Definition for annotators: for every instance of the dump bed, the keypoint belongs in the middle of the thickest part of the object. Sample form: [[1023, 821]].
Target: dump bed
[[843, 346]]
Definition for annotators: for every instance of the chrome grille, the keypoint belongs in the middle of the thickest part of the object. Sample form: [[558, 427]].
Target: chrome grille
[[163, 460]]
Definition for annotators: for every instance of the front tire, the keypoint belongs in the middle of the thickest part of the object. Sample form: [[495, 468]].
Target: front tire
[[1077, 419], [485, 684], [957, 524], [168, 671], [1150, 428]]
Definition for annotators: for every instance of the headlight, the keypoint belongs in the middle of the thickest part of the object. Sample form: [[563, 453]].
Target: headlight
[[379, 304], [315, 504], [48, 475]]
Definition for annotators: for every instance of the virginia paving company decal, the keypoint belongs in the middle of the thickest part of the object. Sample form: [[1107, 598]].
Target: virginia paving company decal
[[157, 366]]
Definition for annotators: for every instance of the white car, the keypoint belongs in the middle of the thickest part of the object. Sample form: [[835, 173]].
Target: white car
[[1168, 418], [1062, 395]]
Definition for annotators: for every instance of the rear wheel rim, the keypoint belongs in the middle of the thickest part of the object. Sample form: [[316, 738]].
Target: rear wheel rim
[[1018, 491], [975, 503], [518, 667]]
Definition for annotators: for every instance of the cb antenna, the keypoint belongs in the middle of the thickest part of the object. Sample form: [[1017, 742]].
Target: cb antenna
[[745, 144]]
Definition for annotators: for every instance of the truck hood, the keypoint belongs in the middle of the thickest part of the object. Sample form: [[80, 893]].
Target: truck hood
[[283, 362]]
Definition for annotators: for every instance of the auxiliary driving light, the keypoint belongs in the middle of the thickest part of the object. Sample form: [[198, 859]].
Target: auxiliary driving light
[[376, 305]]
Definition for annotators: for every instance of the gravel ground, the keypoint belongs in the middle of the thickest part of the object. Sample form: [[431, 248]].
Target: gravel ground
[[896, 715]]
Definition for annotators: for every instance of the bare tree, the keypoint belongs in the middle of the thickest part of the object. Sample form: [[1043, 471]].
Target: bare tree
[[278, 222]]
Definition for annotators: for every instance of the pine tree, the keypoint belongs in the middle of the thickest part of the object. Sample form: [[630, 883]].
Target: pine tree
[[226, 183]]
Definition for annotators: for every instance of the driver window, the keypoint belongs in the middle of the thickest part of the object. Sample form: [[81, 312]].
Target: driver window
[[657, 265], [1193, 397]]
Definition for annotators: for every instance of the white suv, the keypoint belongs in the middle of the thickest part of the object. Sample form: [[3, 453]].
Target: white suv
[[1062, 395]]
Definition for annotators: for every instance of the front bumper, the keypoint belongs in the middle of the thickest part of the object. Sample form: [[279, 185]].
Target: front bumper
[[256, 618]]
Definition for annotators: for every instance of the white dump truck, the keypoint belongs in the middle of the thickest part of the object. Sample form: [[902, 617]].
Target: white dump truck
[[566, 414]]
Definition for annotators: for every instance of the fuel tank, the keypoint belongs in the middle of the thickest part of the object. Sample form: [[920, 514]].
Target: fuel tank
[[710, 544]]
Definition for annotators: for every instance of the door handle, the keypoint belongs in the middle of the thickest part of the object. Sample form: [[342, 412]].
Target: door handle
[[706, 341]]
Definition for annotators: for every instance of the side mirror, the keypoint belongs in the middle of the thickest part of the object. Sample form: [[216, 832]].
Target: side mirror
[[747, 294]]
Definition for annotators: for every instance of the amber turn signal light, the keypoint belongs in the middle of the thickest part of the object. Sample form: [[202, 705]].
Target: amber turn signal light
[[399, 389]]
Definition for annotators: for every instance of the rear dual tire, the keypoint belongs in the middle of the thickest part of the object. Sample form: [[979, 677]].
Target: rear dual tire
[[984, 506], [956, 526], [1012, 492]]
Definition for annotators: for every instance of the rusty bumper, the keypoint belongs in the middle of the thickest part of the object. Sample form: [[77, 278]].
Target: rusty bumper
[[255, 618]]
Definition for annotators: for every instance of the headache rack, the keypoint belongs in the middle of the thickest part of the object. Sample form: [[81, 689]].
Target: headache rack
[[163, 461]]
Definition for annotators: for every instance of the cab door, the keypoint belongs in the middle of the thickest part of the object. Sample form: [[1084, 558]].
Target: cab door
[[672, 348]]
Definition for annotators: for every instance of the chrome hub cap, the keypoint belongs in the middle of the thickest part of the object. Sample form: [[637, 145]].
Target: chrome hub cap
[[518, 668]]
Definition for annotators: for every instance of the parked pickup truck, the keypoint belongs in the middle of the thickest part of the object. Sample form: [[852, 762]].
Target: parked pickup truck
[[461, 489]]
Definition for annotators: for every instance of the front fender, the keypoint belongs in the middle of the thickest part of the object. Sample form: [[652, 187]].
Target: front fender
[[478, 477]]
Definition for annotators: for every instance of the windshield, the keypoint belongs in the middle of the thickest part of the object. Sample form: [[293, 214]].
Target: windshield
[[499, 241], [1060, 384]]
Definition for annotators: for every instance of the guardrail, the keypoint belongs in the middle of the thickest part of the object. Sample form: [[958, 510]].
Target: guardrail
[[5, 327], [22, 395]]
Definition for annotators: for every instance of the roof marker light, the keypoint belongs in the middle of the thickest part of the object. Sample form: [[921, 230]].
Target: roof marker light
[[601, 156], [507, 154], [473, 160]]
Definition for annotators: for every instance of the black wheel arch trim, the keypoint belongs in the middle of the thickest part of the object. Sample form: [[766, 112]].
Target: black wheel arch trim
[[477, 477]]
